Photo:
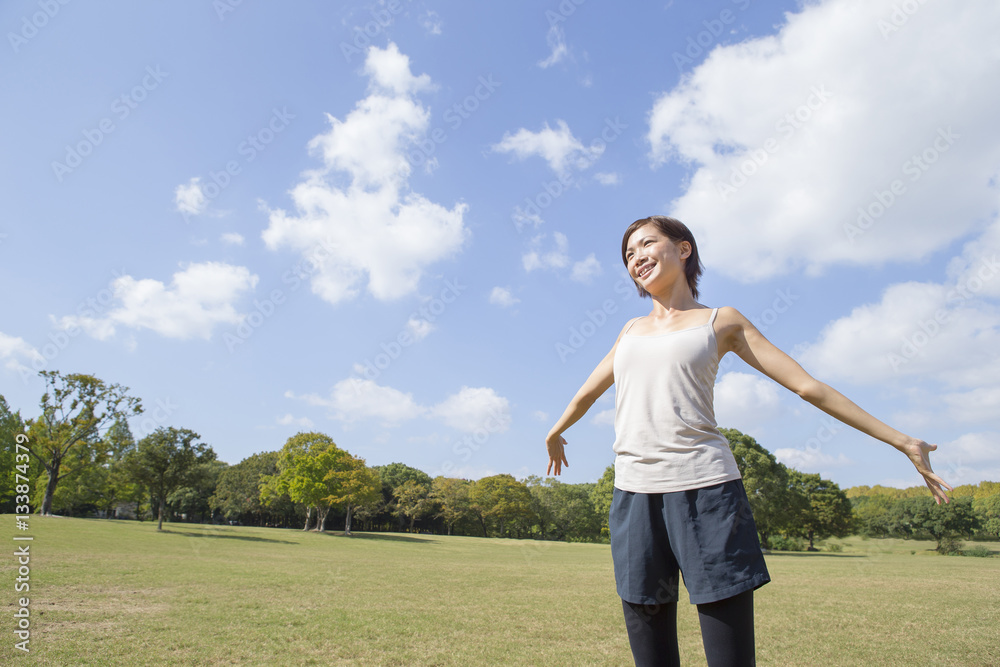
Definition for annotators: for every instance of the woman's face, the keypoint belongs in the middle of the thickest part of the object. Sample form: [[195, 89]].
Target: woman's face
[[652, 255]]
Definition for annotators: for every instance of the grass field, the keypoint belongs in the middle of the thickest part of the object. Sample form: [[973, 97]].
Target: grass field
[[118, 593]]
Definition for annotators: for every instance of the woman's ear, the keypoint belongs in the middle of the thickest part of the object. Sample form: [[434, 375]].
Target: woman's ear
[[685, 249]]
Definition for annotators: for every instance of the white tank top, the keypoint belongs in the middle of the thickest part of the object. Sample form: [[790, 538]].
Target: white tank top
[[666, 438]]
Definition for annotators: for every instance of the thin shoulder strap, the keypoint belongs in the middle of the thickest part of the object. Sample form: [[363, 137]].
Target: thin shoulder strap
[[711, 318], [633, 322]]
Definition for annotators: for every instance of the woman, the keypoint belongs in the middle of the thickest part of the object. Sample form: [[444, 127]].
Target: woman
[[679, 502]]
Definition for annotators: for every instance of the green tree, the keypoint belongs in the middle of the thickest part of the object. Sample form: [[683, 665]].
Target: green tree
[[601, 497], [278, 485], [165, 460], [11, 425], [192, 499], [826, 511], [919, 516], [355, 485], [238, 493], [413, 500], [503, 503], [564, 511], [872, 514], [766, 481], [75, 409], [452, 498], [987, 509]]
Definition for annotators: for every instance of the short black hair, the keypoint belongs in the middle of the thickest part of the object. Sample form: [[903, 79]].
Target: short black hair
[[676, 231]]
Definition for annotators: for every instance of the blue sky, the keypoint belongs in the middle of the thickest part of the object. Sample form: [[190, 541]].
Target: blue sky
[[399, 223]]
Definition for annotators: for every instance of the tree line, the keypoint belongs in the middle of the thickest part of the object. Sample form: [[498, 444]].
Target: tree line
[[85, 460]]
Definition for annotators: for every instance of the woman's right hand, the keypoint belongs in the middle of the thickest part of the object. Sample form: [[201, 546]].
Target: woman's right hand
[[557, 455]]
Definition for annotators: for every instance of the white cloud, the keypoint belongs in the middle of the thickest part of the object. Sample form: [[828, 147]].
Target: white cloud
[[824, 116], [190, 199], [556, 40], [607, 178], [15, 350], [604, 417], [418, 328], [431, 22], [586, 269], [473, 409], [540, 415], [746, 402], [502, 296], [913, 332], [301, 422], [558, 147], [557, 258], [811, 460], [232, 238], [969, 459], [470, 409], [356, 215], [199, 298]]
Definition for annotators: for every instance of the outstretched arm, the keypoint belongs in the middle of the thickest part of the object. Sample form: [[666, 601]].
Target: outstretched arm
[[600, 379], [737, 334]]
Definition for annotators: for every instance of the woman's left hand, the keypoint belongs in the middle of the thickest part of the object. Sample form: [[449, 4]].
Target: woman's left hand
[[918, 452], [557, 455]]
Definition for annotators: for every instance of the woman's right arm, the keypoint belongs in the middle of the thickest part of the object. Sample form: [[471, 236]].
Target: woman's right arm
[[600, 379]]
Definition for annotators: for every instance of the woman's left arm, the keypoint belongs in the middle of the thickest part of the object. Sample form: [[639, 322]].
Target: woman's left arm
[[737, 334]]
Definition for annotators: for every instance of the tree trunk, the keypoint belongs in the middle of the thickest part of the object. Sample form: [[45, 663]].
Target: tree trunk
[[309, 510], [163, 503], [483, 524], [347, 523], [50, 487], [811, 547], [321, 514]]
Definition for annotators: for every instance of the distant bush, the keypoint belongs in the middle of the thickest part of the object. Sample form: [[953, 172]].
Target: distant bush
[[978, 551], [834, 548], [949, 547], [781, 543]]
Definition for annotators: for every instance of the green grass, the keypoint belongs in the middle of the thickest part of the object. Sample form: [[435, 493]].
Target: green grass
[[118, 593]]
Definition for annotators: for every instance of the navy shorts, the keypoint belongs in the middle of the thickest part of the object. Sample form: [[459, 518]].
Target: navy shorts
[[706, 534]]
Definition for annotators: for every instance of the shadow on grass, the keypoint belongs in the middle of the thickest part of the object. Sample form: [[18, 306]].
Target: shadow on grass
[[807, 554], [387, 537], [224, 536]]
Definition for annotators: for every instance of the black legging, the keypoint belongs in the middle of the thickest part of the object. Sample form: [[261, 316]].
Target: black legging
[[726, 632]]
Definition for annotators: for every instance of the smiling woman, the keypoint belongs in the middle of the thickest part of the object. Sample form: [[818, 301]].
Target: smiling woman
[[679, 506]]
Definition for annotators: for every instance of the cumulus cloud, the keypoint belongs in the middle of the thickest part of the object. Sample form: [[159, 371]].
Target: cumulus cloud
[[418, 328], [556, 40], [970, 458], [502, 296], [607, 178], [232, 238], [356, 216], [300, 422], [746, 402], [15, 351], [198, 298], [837, 140], [559, 148], [556, 258], [470, 409], [586, 270], [604, 418], [811, 460], [189, 199]]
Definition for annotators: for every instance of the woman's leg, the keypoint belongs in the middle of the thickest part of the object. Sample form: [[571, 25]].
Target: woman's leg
[[727, 631], [652, 634]]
